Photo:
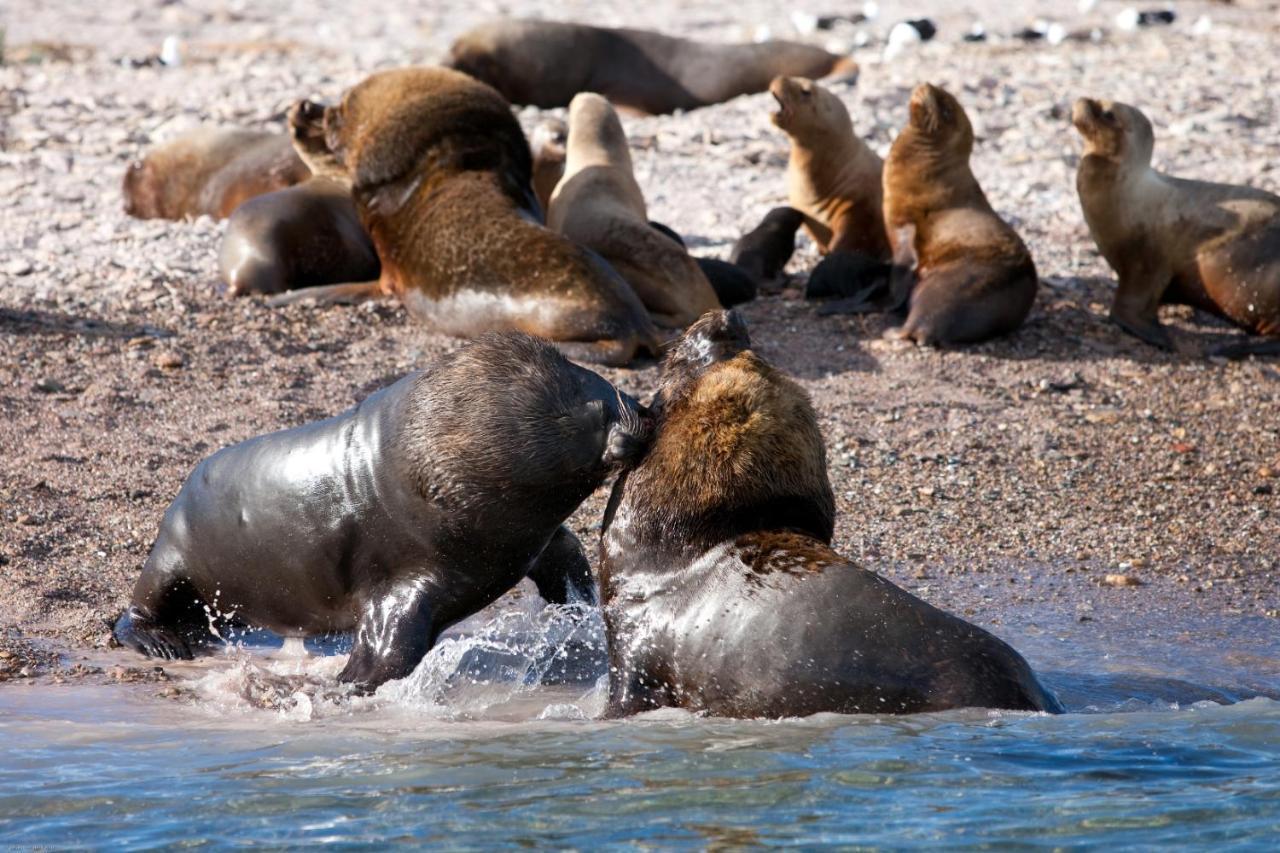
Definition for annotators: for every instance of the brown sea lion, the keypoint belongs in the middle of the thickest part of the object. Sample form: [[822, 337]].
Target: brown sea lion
[[301, 236], [548, 145], [395, 519], [1213, 246], [833, 177], [968, 275], [546, 63], [721, 591], [599, 205], [732, 284], [210, 172], [440, 172]]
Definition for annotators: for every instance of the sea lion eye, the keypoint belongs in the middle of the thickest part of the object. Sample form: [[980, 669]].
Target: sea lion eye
[[1109, 115], [806, 92]]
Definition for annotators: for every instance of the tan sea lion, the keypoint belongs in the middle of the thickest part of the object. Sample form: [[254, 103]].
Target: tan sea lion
[[965, 274], [301, 236], [1213, 246], [833, 177], [546, 63], [599, 205], [548, 145], [440, 172], [721, 591], [210, 172]]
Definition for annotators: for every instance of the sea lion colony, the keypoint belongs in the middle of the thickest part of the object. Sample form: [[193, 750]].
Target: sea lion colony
[[421, 185]]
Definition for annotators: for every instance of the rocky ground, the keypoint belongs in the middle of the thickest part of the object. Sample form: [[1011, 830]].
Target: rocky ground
[[1069, 466]]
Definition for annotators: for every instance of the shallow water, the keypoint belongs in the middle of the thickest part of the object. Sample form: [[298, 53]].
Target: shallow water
[[491, 742]]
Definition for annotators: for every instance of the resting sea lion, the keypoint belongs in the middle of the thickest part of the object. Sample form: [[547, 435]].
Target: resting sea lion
[[546, 63], [833, 177], [440, 172], [763, 252], [1214, 246], [548, 146], [395, 519], [721, 591], [210, 172], [968, 275], [302, 236], [598, 204]]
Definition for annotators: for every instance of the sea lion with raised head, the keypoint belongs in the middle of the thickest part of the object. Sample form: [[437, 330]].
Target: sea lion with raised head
[[546, 63], [964, 274], [302, 236], [210, 172], [1213, 246], [599, 205], [440, 172], [395, 519], [721, 591]]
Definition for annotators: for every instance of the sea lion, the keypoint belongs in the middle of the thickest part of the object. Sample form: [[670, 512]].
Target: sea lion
[[395, 519], [732, 284], [833, 177], [440, 172], [721, 592], [965, 274], [599, 205], [548, 145], [210, 172], [547, 63], [1213, 246], [301, 236], [763, 252]]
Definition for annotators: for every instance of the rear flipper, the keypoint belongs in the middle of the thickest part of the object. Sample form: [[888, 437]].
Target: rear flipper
[[859, 283], [1244, 349], [732, 284], [562, 573], [330, 294]]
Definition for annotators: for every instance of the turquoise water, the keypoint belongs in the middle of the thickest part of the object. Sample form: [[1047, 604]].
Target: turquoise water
[[491, 744]]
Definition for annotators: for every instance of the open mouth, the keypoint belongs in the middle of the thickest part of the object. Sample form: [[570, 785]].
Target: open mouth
[[780, 114]]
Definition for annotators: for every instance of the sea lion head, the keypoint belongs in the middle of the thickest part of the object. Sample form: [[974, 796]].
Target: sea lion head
[[939, 122], [139, 188], [548, 141], [1114, 131], [396, 128], [805, 108], [594, 126]]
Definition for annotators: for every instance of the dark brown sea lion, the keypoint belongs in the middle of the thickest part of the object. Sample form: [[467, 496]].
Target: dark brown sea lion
[[302, 236], [721, 591], [833, 177], [968, 275], [598, 204], [1213, 246], [763, 252], [440, 172], [546, 63], [395, 519], [210, 172]]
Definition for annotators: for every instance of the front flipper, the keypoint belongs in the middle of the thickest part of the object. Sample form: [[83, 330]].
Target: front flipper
[[329, 294], [562, 573], [1137, 304], [905, 271], [397, 628]]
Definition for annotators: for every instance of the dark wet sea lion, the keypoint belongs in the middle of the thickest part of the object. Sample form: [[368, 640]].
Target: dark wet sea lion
[[598, 205], [833, 177], [210, 172], [1213, 246], [302, 236], [440, 172], [763, 252], [965, 274], [395, 519], [721, 591], [546, 63]]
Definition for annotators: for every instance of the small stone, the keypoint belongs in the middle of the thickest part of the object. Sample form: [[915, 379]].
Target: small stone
[[1138, 563], [1264, 489], [141, 342], [169, 360], [27, 520], [5, 654], [48, 385], [926, 491], [1121, 580], [19, 267], [1266, 473]]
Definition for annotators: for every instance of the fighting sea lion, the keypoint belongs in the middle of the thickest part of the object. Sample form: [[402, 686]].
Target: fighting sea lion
[[301, 236], [210, 172], [721, 592], [599, 205], [395, 519], [546, 63], [763, 252], [965, 274], [833, 177], [1213, 246], [440, 172]]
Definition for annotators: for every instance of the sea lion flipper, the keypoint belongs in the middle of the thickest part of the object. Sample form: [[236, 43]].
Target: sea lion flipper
[[903, 275], [135, 630], [397, 628], [1244, 349], [1136, 307], [330, 294], [562, 573]]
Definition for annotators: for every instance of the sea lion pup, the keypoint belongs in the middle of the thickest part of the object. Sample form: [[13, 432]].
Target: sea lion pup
[[395, 519], [1213, 246], [721, 592], [440, 172], [301, 236], [548, 145], [833, 177], [546, 63], [964, 273], [763, 252], [210, 172], [598, 204]]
